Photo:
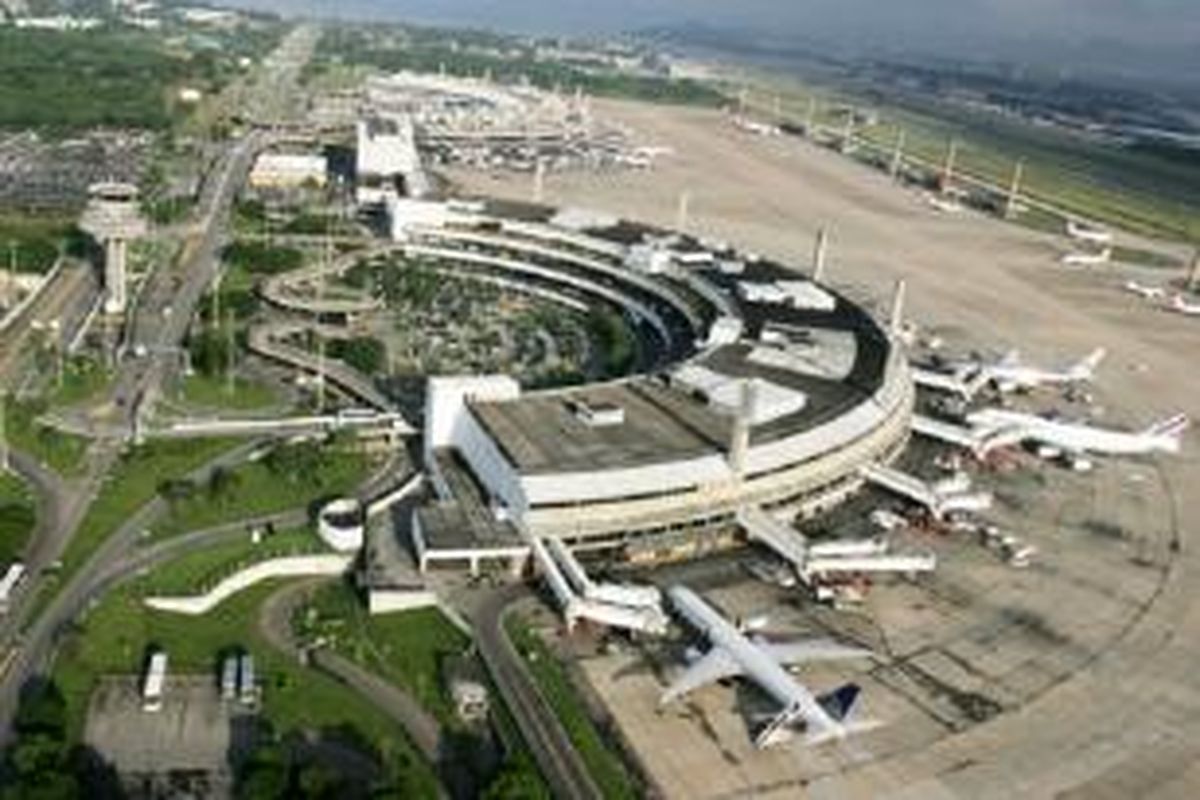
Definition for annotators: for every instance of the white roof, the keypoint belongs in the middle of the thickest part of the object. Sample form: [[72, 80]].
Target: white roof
[[769, 400], [800, 294]]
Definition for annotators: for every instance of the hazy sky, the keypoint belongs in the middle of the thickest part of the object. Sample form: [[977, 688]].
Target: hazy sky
[[982, 27]]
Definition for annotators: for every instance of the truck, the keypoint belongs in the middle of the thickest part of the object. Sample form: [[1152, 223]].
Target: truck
[[9, 583], [229, 678], [247, 682]]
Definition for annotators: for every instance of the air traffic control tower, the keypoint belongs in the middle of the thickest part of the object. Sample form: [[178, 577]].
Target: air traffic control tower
[[112, 218]]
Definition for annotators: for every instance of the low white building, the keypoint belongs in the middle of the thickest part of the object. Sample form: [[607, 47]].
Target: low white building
[[289, 171]]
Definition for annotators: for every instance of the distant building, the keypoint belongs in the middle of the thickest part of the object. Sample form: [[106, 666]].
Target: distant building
[[289, 171], [386, 159]]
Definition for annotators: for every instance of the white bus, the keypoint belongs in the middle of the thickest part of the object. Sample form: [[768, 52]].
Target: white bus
[[154, 682]]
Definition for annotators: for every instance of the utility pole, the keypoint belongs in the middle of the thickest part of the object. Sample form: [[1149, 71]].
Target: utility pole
[[9, 290], [681, 213], [320, 337], [3, 438], [819, 250], [810, 117], [897, 155], [778, 110], [539, 179], [1193, 279], [848, 130], [1014, 189], [948, 164]]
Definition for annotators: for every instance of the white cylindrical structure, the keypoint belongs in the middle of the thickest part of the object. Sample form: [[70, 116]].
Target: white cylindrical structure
[[340, 524]]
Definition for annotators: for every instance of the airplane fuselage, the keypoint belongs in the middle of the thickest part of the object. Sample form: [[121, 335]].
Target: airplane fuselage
[[1075, 437], [767, 673]]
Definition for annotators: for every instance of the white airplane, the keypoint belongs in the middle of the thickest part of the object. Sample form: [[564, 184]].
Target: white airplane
[[732, 654], [1009, 374], [943, 204], [1144, 291], [1003, 427], [1084, 259], [758, 128], [1181, 306], [1088, 233]]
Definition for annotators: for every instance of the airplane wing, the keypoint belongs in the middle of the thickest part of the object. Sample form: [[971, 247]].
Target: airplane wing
[[713, 666], [808, 650]]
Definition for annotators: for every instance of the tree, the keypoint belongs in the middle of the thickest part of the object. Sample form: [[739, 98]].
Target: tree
[[518, 779]]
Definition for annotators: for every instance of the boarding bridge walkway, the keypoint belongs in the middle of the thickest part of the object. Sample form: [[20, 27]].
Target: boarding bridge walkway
[[938, 502], [948, 432], [790, 544]]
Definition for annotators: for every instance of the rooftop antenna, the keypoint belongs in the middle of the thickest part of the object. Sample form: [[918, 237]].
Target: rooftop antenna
[[896, 323], [681, 213], [819, 250], [1014, 189]]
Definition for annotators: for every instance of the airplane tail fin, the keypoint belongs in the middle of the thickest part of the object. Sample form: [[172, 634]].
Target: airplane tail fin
[[1088, 364], [841, 705], [1173, 427], [840, 702]]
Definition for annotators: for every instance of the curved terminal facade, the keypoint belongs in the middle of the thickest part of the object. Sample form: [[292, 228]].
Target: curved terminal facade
[[754, 387]]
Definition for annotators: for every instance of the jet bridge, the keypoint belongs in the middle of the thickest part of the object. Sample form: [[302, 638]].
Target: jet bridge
[[938, 502]]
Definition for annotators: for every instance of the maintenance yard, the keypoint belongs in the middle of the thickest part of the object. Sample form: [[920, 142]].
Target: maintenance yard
[[1077, 672]]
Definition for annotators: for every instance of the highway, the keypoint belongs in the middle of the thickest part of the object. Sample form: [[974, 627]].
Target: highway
[[556, 757]]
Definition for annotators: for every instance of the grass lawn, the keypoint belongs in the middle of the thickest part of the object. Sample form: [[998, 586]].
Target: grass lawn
[[18, 515], [82, 379], [133, 483], [255, 489], [407, 648], [1138, 191], [213, 392], [198, 572], [603, 764], [114, 637], [62, 452]]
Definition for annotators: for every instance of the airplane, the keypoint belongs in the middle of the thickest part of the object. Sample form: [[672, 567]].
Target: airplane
[[1181, 306], [1144, 291], [1002, 427], [732, 653], [946, 206], [1084, 259], [1088, 233], [759, 128], [1009, 374]]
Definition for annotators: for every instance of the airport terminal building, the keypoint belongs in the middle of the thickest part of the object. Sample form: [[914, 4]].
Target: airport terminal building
[[761, 388]]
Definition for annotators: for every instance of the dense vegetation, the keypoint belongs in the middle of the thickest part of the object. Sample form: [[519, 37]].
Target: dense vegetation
[[614, 340], [365, 353], [17, 517], [260, 258], [82, 79], [423, 53], [32, 243]]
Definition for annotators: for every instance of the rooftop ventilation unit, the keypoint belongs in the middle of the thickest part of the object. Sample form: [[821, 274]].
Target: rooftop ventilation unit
[[597, 415]]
